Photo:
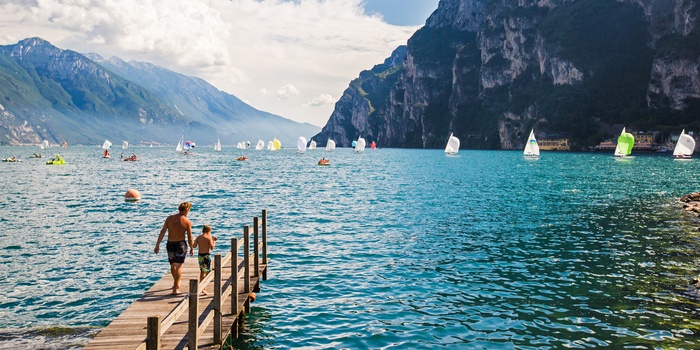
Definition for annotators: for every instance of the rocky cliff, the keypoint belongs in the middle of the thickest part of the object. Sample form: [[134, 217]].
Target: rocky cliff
[[489, 71]]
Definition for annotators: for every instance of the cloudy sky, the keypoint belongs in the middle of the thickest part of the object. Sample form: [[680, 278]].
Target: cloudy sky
[[293, 58]]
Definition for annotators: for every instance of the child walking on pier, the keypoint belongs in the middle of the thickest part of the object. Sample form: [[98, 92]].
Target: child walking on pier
[[205, 243]]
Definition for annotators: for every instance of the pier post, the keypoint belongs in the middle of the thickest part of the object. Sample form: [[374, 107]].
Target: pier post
[[264, 243], [256, 242], [193, 319], [217, 299], [153, 333], [234, 286], [246, 259]]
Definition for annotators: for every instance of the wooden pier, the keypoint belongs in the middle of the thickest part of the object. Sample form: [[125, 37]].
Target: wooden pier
[[158, 320]]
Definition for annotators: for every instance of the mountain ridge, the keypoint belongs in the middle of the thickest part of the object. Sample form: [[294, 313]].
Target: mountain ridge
[[62, 95]]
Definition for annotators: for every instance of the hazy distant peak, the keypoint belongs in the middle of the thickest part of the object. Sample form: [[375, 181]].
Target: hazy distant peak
[[94, 57]]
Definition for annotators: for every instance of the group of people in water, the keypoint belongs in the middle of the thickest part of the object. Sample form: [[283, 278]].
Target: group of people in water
[[131, 158]]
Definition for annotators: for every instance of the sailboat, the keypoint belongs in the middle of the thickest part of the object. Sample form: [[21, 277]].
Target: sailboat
[[125, 145], [189, 145], [217, 146], [260, 145], [360, 146], [373, 145], [301, 144], [276, 144], [532, 150], [625, 142], [45, 144], [270, 147], [685, 147], [180, 144], [312, 144], [330, 145], [452, 145], [106, 146]]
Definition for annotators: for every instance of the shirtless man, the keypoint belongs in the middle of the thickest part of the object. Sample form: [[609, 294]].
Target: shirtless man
[[177, 226]]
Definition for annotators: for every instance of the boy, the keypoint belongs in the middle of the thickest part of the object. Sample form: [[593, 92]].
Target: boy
[[205, 242]]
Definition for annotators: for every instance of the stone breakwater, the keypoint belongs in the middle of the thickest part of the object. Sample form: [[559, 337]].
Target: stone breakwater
[[691, 202]]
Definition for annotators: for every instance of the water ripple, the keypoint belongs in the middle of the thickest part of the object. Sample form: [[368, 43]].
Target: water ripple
[[391, 249]]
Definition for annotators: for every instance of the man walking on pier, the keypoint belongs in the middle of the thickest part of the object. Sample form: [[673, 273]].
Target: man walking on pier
[[177, 225]]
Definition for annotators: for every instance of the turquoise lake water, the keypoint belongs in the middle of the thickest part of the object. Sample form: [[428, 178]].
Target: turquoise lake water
[[390, 249]]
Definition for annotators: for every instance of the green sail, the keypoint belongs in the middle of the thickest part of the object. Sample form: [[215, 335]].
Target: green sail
[[625, 143]]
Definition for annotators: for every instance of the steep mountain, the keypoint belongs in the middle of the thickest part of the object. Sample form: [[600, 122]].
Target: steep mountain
[[235, 120], [490, 70], [54, 94]]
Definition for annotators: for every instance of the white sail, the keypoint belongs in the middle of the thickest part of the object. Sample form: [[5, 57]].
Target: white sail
[[685, 146], [45, 144], [217, 146], [301, 144], [260, 145], [239, 145], [106, 145], [269, 146], [360, 146], [125, 145], [330, 145], [180, 144], [618, 152], [312, 145], [452, 145], [532, 149]]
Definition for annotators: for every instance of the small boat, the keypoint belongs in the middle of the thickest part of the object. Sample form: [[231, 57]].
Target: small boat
[[625, 142], [12, 160], [260, 145], [217, 146], [360, 146], [242, 158], [270, 147], [312, 145], [330, 145], [130, 159], [56, 161], [180, 144], [301, 144], [532, 149], [324, 161], [685, 147], [45, 144], [452, 145], [373, 145], [36, 155], [106, 146], [125, 145]]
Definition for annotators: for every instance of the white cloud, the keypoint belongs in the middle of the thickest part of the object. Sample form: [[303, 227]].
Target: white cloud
[[287, 91], [321, 100], [241, 46]]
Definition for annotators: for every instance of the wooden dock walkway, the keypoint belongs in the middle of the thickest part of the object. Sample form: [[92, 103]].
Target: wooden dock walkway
[[158, 320]]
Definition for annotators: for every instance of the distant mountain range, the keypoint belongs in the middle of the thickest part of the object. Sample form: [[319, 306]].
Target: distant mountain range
[[489, 71], [61, 95]]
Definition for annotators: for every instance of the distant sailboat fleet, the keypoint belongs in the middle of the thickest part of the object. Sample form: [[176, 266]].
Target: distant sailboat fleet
[[684, 147]]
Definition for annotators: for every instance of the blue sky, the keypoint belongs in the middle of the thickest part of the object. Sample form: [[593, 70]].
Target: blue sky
[[402, 12], [293, 58]]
